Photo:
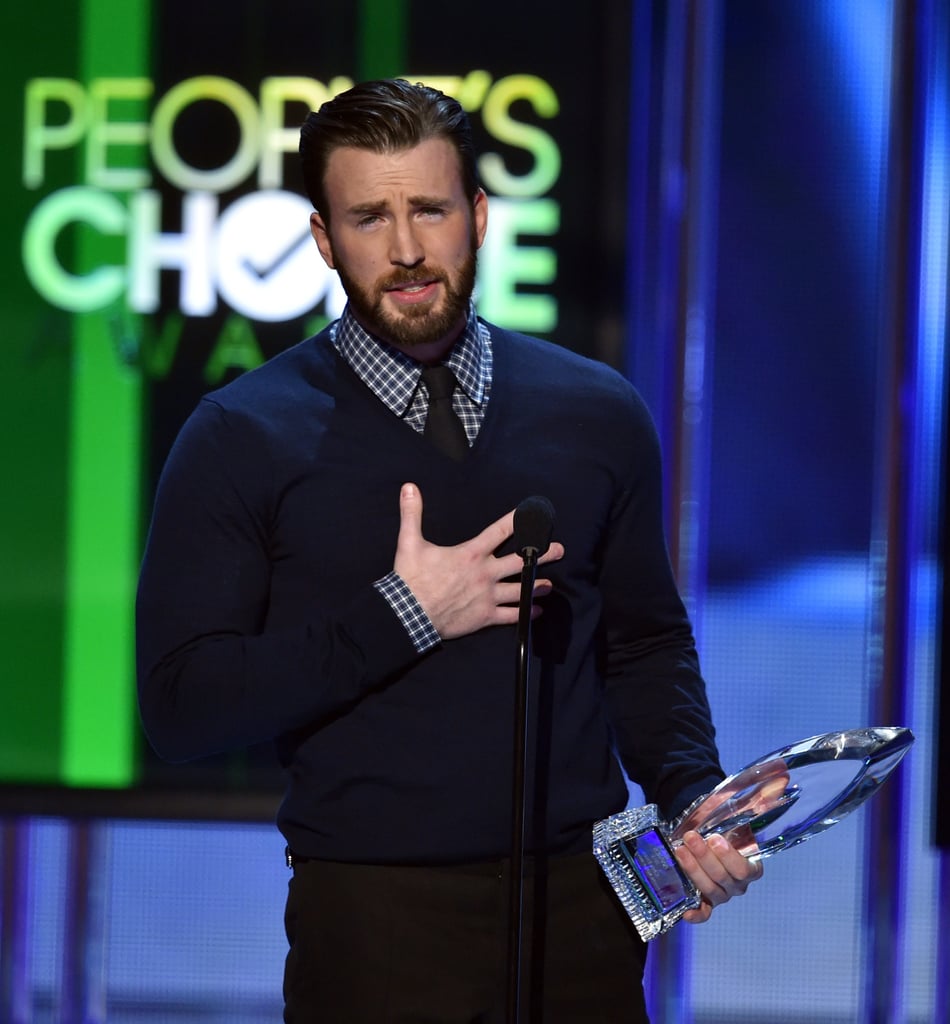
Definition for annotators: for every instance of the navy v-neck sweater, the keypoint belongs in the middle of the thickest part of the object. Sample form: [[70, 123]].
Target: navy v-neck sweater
[[257, 619]]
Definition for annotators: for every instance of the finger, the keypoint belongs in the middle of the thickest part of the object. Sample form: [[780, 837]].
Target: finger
[[506, 615], [733, 871], [688, 855], [510, 593], [717, 869], [410, 515], [506, 594], [732, 861], [496, 533], [507, 567], [553, 554], [510, 566], [510, 614], [699, 915], [700, 866]]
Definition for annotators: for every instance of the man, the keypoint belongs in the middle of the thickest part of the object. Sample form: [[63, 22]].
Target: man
[[321, 573]]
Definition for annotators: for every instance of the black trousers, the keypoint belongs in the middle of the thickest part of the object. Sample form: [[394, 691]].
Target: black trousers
[[429, 945]]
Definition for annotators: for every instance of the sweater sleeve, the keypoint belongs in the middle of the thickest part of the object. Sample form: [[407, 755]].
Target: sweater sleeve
[[211, 674], [656, 696]]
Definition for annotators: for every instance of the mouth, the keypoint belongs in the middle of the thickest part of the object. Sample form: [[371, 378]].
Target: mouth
[[412, 292]]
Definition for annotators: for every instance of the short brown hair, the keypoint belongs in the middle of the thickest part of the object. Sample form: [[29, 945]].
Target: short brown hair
[[384, 116]]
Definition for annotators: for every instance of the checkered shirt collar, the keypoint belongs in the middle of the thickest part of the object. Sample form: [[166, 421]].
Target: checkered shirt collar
[[393, 376]]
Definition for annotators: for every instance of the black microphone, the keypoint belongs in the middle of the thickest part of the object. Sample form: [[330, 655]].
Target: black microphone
[[534, 524]]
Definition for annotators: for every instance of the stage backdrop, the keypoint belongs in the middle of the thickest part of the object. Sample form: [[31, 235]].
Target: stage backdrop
[[155, 244]]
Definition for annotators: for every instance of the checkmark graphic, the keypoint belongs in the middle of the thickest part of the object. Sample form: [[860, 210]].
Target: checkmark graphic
[[265, 268]]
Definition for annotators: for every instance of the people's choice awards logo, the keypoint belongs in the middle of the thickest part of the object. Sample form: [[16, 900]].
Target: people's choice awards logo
[[239, 238]]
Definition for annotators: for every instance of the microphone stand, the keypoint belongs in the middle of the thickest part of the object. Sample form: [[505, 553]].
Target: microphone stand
[[516, 883]]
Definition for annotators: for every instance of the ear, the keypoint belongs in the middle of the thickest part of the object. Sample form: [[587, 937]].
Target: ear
[[322, 237], [480, 216]]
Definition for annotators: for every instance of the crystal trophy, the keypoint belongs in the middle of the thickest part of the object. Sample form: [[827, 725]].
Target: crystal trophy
[[773, 804]]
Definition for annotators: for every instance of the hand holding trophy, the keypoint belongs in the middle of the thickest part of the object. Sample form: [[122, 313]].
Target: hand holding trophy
[[775, 803]]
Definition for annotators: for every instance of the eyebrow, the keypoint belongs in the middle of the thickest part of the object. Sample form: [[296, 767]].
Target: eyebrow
[[382, 204]]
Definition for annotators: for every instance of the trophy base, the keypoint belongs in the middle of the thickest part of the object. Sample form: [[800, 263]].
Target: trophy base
[[634, 851]]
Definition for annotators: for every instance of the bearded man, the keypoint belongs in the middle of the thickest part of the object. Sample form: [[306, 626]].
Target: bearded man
[[295, 588]]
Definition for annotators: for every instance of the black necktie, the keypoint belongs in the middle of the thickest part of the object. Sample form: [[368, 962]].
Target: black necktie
[[443, 427]]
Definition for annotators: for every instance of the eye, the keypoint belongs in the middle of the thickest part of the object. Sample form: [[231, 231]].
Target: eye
[[431, 212], [368, 220]]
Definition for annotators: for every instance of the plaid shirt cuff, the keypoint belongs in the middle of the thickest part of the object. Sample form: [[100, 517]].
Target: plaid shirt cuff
[[409, 612]]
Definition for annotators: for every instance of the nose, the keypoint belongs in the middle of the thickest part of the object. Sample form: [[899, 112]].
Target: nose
[[405, 247]]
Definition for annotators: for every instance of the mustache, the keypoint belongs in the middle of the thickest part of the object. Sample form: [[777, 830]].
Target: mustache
[[406, 278]]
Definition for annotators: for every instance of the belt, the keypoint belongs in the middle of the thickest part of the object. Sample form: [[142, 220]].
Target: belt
[[488, 867]]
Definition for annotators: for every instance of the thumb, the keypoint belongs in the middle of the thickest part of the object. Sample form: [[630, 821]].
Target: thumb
[[410, 515]]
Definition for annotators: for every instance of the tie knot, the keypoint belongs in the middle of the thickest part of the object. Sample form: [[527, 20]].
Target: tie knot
[[439, 381]]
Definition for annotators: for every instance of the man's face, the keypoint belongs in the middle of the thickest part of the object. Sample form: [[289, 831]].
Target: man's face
[[403, 235]]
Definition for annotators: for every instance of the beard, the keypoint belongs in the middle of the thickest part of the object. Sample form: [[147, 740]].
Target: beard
[[421, 324]]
